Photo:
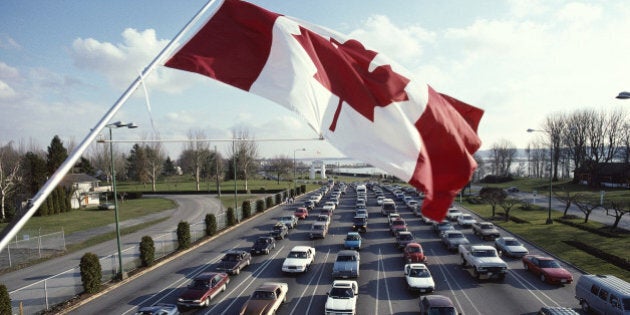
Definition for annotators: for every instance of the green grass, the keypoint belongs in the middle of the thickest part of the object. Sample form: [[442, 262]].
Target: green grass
[[541, 186], [84, 219], [550, 237]]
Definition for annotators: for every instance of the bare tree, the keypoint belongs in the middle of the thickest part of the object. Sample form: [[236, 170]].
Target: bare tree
[[554, 126], [195, 154], [586, 206], [503, 153], [245, 152], [507, 204], [280, 165], [616, 209], [155, 161], [494, 196], [565, 196], [10, 175], [575, 139]]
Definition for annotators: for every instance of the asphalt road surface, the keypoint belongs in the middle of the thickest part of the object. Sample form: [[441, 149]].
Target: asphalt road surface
[[382, 285]]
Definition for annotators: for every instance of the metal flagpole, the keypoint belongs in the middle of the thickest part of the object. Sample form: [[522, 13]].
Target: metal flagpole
[[21, 218]]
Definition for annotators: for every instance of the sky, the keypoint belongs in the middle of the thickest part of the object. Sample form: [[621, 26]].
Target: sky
[[63, 64]]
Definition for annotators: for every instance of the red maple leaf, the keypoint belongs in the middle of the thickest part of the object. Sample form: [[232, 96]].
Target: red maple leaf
[[343, 68]]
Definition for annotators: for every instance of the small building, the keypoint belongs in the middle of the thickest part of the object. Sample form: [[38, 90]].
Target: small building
[[86, 190], [614, 175]]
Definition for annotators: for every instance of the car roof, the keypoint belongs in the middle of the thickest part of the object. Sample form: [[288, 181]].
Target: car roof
[[353, 233], [301, 248], [206, 275], [343, 283], [417, 266], [347, 252], [439, 300]]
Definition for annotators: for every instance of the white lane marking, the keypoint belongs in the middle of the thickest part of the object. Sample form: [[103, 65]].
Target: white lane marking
[[251, 276], [526, 284], [382, 266], [177, 283], [320, 266], [448, 283]]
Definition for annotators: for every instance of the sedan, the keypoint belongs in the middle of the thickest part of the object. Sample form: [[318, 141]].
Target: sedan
[[440, 227], [413, 253], [301, 213], [453, 238], [266, 299], [419, 278], [203, 289], [352, 241], [466, 220], [159, 309], [548, 269], [510, 247]]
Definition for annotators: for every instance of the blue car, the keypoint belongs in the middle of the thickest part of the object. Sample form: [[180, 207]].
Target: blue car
[[353, 241]]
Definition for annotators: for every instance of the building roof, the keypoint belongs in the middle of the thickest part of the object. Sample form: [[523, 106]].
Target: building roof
[[70, 179]]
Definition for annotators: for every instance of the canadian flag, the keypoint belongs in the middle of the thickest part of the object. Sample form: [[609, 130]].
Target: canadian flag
[[364, 104]]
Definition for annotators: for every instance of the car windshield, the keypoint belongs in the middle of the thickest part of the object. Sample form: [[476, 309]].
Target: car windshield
[[286, 219], [419, 273], [483, 253], [466, 217], [297, 255], [487, 226], [322, 218], [263, 295], [200, 285], [389, 206], [231, 257], [512, 243], [262, 241], [346, 258], [405, 237], [549, 264], [413, 249], [359, 220], [341, 293], [441, 311], [353, 237], [455, 235]]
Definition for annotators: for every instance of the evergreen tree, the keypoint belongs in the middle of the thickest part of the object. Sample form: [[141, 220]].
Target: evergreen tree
[[169, 167], [34, 176], [57, 153], [137, 164], [84, 166]]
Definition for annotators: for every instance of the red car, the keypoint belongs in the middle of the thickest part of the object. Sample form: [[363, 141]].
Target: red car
[[301, 213], [413, 253], [548, 269], [203, 288], [398, 225]]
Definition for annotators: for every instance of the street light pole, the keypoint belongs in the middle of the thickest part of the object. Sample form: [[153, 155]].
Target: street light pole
[[294, 179], [549, 220], [121, 274]]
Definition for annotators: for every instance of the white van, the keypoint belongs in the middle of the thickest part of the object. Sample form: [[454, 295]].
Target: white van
[[603, 294]]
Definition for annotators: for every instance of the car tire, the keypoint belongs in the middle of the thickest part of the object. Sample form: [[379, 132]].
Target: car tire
[[224, 288], [526, 266], [249, 262], [267, 252], [237, 271], [543, 278], [585, 307]]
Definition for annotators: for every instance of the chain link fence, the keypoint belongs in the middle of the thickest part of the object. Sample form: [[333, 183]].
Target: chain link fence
[[43, 294], [28, 246]]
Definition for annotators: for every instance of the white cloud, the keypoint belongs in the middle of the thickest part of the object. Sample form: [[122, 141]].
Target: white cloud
[[121, 63], [579, 14], [402, 44], [9, 43], [6, 92], [8, 73]]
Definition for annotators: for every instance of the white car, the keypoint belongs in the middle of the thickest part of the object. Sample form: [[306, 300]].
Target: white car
[[299, 260], [510, 247], [391, 217], [379, 200], [342, 298], [419, 278], [413, 205], [466, 220], [329, 205], [453, 213]]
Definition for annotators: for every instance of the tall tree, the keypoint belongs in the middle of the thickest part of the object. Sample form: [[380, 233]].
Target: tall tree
[[10, 175], [280, 165], [245, 152], [169, 167], [554, 126], [194, 156], [138, 165], [503, 153], [34, 172], [155, 161], [57, 153]]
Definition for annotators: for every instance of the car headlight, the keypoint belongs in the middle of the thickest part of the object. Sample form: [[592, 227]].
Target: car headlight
[[180, 300]]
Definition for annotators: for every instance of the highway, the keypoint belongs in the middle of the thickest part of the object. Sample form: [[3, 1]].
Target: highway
[[382, 285]]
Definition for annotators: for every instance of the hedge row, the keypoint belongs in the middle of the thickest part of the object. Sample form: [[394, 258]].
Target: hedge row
[[588, 228], [610, 258]]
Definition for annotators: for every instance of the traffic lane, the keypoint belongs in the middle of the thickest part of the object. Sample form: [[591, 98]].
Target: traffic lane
[[167, 282], [522, 294]]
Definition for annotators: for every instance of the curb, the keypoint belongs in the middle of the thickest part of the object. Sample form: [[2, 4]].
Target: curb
[[165, 261]]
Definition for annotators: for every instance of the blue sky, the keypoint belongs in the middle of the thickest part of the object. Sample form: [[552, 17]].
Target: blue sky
[[64, 63]]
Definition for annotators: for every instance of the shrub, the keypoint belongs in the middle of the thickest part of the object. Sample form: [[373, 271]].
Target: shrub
[[183, 235], [292, 192], [278, 199], [247, 209], [91, 273], [260, 205], [211, 224], [147, 251], [5, 300], [231, 217], [302, 189], [268, 202]]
